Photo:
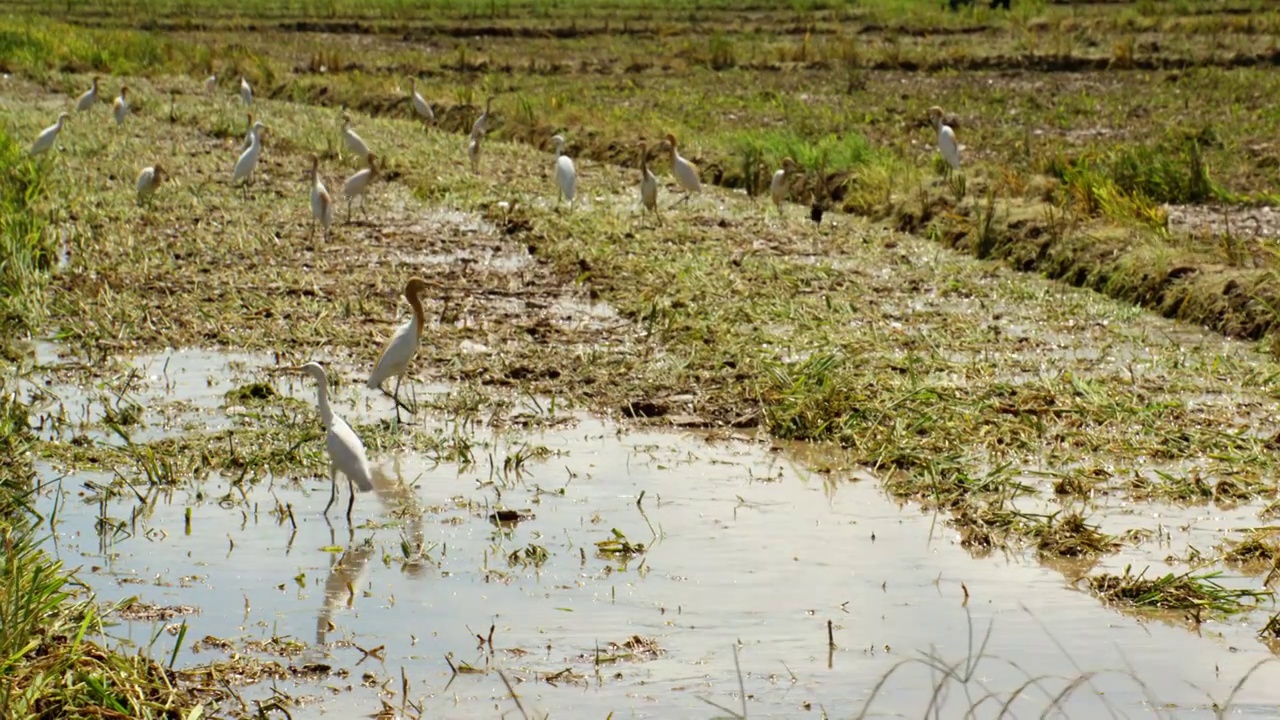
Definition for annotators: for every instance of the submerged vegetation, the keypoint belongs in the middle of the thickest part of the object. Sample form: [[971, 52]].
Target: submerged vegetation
[[52, 660]]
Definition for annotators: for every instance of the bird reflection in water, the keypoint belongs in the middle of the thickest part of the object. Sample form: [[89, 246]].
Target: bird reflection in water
[[350, 572]]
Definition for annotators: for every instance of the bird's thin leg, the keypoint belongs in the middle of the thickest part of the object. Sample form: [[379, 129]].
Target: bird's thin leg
[[333, 488], [348, 210], [683, 200], [351, 502], [396, 397], [363, 211], [399, 403]]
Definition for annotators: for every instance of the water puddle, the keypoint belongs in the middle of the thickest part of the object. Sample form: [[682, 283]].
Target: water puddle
[[147, 398], [640, 573]]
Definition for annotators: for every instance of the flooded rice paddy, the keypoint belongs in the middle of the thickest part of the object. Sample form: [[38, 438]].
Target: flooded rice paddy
[[600, 569]]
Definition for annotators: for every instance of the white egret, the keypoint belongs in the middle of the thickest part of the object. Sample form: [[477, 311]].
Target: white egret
[[120, 108], [149, 181], [778, 185], [648, 183], [346, 452], [566, 173], [420, 104], [481, 125], [249, 158], [321, 203], [403, 345], [89, 98], [686, 172], [354, 142], [473, 151], [246, 92], [211, 84], [48, 136], [947, 144], [357, 185]]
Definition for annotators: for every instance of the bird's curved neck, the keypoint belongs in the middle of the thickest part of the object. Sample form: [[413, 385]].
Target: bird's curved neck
[[419, 317], [674, 154], [322, 399]]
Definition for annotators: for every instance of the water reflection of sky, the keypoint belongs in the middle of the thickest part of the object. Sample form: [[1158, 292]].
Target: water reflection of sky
[[744, 548]]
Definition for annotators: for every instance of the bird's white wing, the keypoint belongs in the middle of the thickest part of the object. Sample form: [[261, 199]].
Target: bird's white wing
[[687, 174], [395, 357], [347, 453], [948, 146], [321, 205], [420, 104], [356, 143], [45, 140], [244, 166], [566, 176]]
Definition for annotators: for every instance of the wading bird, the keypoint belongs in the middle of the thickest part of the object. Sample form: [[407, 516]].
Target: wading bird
[[481, 125], [249, 158], [120, 108], [566, 173], [778, 185], [149, 181], [686, 172], [473, 151], [403, 345], [420, 104], [48, 136], [321, 203], [89, 98], [358, 185], [947, 144], [246, 92], [210, 84], [648, 183], [354, 142], [346, 452]]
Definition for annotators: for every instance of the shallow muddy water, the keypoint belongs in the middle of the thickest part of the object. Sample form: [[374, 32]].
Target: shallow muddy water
[[742, 548]]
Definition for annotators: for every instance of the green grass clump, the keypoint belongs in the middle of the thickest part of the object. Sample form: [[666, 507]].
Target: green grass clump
[[1185, 592], [48, 667], [1132, 181], [27, 249]]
